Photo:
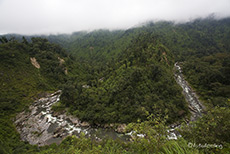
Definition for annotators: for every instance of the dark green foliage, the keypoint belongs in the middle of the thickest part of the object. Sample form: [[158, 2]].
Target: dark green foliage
[[21, 82], [212, 128], [121, 76], [210, 75], [140, 80], [198, 37], [3, 40]]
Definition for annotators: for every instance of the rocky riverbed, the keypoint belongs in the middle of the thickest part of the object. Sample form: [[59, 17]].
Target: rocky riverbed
[[41, 126], [195, 106]]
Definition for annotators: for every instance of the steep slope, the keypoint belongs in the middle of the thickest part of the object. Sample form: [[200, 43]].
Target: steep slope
[[27, 71], [139, 83], [203, 46], [122, 76], [202, 43]]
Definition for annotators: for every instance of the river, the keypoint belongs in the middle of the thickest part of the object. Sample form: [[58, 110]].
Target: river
[[195, 106], [41, 126]]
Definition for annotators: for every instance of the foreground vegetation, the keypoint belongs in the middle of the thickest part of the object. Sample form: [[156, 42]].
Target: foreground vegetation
[[123, 77]]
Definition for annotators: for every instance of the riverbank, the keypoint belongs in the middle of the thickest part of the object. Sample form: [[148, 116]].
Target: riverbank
[[42, 126], [196, 108]]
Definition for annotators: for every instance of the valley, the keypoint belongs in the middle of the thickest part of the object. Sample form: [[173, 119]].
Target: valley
[[74, 90], [42, 126]]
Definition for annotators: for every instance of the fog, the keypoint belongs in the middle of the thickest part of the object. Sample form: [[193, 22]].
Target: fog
[[67, 16]]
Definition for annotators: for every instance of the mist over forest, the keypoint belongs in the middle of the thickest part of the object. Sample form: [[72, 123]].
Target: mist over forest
[[114, 77]]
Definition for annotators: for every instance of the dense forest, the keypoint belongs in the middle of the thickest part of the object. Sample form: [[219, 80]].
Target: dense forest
[[123, 76], [22, 82], [139, 81]]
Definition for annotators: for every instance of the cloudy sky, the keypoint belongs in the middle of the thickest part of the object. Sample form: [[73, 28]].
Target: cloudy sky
[[66, 16]]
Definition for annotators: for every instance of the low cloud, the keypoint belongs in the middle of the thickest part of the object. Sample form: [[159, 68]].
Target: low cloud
[[66, 16]]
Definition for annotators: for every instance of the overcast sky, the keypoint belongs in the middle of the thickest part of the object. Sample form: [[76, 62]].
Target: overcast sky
[[66, 16]]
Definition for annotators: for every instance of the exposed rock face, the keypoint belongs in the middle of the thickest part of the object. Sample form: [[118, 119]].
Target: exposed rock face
[[34, 62], [65, 71], [32, 127], [42, 126], [86, 86], [84, 124], [121, 128], [61, 61]]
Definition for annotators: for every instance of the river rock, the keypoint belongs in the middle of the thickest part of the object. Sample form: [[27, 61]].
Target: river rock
[[106, 126], [56, 135], [41, 126], [85, 124], [74, 120], [121, 128]]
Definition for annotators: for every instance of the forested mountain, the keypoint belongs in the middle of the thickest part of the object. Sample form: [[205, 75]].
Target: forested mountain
[[122, 76], [202, 44], [27, 68], [28, 71], [140, 81]]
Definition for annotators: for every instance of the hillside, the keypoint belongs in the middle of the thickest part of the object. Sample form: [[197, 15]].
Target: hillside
[[21, 82], [202, 43], [122, 76], [140, 81]]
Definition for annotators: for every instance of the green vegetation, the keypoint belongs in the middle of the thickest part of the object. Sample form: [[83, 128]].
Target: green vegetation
[[140, 81], [212, 128], [21, 83], [210, 77], [20, 80], [153, 142], [122, 77]]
